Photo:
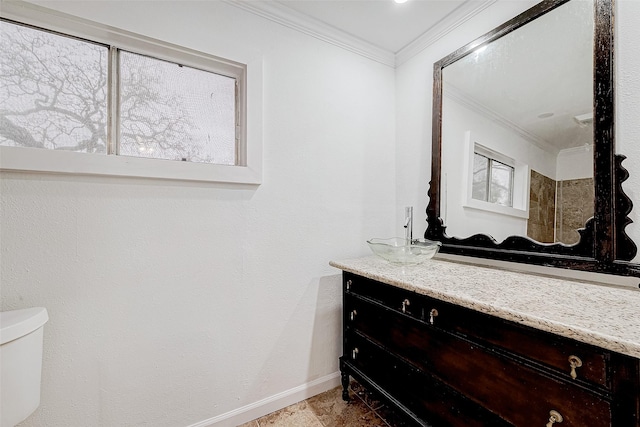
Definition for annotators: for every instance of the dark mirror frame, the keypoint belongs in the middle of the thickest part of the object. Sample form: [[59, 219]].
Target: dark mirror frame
[[604, 246]]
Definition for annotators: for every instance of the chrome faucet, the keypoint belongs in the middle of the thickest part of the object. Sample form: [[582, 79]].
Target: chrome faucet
[[408, 224]]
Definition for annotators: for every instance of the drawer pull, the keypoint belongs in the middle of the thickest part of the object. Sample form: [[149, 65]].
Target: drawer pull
[[555, 417], [432, 314], [349, 283], [354, 353], [352, 315], [405, 303], [574, 362]]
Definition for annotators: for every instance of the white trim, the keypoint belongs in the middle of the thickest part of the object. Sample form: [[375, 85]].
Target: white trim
[[288, 17], [249, 169], [577, 150], [495, 208], [273, 403], [22, 159], [459, 16]]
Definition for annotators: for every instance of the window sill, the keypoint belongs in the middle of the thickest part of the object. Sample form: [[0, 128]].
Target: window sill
[[65, 162], [494, 208]]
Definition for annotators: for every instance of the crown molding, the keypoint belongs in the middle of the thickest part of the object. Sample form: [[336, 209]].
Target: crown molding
[[456, 95], [459, 16], [572, 151], [281, 14], [305, 24]]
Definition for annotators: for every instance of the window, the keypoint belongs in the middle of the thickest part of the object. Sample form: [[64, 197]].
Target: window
[[53, 94], [492, 180], [135, 107], [169, 111]]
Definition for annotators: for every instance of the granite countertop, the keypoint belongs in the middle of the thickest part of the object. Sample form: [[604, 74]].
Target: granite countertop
[[607, 317]]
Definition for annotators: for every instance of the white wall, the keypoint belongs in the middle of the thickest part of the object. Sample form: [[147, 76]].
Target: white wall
[[628, 104], [174, 303], [575, 163], [414, 80]]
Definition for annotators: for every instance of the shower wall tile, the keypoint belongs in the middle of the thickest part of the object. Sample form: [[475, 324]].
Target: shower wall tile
[[542, 200], [575, 207]]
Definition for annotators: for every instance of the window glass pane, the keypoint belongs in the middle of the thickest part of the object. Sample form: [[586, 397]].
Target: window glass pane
[[53, 91], [501, 184], [480, 177], [170, 111]]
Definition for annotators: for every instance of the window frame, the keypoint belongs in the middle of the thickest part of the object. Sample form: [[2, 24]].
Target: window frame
[[520, 179], [492, 158], [247, 69]]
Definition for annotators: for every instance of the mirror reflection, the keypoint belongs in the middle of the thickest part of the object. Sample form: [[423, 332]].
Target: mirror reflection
[[517, 132]]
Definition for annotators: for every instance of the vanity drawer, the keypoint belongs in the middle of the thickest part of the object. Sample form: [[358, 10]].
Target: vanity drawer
[[568, 357], [420, 393], [574, 361], [520, 394], [398, 299]]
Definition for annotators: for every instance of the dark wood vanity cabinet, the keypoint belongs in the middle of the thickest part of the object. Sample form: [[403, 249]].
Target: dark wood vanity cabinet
[[445, 365]]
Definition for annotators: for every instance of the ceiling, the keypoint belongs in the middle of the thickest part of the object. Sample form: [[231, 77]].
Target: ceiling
[[383, 23]]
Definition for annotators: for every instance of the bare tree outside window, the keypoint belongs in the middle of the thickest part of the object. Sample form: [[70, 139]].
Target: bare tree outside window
[[196, 121], [53, 95], [53, 91]]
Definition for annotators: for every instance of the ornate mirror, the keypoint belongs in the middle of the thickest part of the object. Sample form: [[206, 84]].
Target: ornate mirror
[[523, 161]]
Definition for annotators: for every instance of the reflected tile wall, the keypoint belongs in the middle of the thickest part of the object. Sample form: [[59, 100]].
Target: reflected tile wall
[[565, 205], [542, 205], [575, 207]]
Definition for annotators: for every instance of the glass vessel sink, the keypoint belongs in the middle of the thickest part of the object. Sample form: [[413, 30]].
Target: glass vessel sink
[[397, 250]]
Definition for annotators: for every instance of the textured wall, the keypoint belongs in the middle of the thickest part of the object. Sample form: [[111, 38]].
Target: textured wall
[[171, 303], [628, 104]]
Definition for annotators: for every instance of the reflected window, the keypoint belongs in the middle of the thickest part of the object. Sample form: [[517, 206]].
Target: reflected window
[[492, 179]]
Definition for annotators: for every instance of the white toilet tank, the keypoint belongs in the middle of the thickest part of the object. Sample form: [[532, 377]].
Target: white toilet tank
[[20, 363]]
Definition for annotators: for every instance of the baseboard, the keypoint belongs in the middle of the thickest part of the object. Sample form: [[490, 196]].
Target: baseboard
[[272, 403]]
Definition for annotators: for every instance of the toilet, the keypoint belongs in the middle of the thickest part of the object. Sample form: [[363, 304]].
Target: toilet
[[20, 363]]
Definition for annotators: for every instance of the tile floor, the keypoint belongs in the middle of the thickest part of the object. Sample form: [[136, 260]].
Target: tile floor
[[329, 410]]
